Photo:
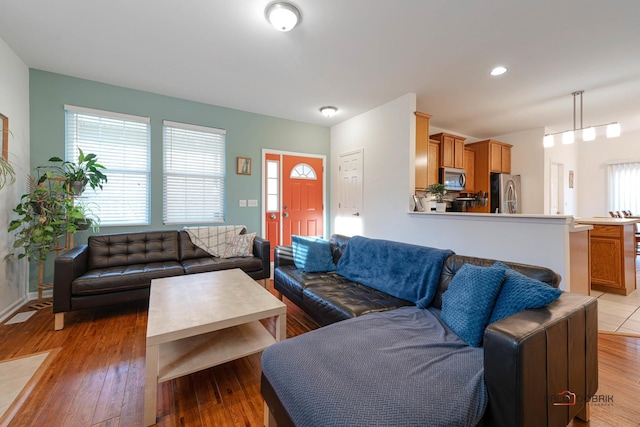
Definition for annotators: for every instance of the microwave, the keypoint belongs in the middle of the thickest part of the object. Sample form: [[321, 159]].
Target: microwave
[[453, 179]]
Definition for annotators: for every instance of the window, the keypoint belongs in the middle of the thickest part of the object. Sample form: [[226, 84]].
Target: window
[[624, 187], [121, 144], [273, 186], [194, 167], [303, 171]]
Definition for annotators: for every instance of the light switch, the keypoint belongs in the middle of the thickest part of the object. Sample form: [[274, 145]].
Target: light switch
[[253, 203], [243, 203]]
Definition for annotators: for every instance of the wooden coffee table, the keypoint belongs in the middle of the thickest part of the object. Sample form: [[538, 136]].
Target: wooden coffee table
[[197, 321]]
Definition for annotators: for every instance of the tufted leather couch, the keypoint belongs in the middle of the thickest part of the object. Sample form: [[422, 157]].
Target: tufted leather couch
[[116, 268], [529, 357]]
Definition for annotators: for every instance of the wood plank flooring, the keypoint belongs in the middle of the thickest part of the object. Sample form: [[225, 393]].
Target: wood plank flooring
[[97, 378]]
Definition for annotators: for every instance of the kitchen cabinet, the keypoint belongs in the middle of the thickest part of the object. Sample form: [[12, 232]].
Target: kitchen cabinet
[[613, 254], [451, 150], [500, 157], [423, 159], [468, 164], [489, 156]]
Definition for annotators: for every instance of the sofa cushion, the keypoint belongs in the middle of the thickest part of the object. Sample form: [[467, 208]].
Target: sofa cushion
[[209, 263], [312, 254], [292, 281], [520, 292], [122, 278], [125, 249], [467, 304]]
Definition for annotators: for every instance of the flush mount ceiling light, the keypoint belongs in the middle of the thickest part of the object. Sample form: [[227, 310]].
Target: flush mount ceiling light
[[588, 133], [328, 111], [283, 16], [498, 71]]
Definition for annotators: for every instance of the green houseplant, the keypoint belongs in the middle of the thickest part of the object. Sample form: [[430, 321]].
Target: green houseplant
[[42, 219], [86, 171], [438, 192]]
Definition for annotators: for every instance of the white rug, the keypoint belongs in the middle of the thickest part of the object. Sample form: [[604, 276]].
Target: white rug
[[17, 378]]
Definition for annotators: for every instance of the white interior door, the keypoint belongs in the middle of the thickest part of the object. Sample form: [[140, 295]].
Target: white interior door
[[350, 193], [556, 188]]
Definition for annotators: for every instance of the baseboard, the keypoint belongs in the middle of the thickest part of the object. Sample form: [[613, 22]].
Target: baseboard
[[7, 312]]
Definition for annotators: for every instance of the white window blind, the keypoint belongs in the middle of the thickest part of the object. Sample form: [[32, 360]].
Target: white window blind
[[121, 144], [624, 187], [194, 168]]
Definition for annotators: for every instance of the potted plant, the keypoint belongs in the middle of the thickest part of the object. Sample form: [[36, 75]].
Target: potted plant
[[78, 174], [42, 219], [438, 192]]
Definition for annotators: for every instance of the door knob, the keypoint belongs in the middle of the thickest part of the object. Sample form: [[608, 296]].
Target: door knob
[[356, 214], [286, 214], [272, 216]]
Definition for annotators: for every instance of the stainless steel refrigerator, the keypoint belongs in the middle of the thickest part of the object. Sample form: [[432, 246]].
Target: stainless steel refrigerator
[[505, 193]]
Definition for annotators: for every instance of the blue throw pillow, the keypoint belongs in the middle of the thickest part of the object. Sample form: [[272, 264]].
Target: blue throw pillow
[[312, 254], [469, 300], [520, 292]]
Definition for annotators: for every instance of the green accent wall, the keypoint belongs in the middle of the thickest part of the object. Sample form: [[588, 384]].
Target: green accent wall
[[247, 134]]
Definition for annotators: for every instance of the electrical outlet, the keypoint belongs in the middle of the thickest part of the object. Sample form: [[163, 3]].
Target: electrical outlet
[[243, 203], [253, 203]]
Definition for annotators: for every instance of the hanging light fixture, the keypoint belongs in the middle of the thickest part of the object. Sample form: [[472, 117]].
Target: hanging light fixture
[[283, 16], [587, 133]]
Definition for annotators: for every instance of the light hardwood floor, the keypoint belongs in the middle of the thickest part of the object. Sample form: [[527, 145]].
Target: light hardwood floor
[[97, 377]]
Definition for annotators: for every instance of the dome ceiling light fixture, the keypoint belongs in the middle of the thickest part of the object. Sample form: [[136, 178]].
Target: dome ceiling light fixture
[[588, 133], [328, 111], [498, 71], [283, 16]]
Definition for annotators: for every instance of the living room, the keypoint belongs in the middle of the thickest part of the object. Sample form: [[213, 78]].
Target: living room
[[33, 97]]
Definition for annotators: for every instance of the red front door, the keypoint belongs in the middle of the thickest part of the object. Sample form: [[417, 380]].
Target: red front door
[[302, 210], [294, 195]]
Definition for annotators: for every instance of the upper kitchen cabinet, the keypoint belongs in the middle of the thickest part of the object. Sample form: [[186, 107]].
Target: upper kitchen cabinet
[[424, 162], [500, 157], [451, 150], [469, 166]]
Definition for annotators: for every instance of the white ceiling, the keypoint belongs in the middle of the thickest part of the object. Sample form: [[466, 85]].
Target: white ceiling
[[354, 54]]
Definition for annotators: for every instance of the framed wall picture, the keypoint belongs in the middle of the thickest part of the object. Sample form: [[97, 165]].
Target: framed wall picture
[[570, 179], [244, 166]]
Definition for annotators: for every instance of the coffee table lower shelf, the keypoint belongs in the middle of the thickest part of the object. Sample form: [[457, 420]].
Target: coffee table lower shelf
[[193, 354]]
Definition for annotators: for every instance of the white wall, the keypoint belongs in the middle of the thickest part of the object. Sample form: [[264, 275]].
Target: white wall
[[387, 136], [14, 103], [593, 157]]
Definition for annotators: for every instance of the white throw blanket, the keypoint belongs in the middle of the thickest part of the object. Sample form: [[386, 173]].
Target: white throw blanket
[[214, 239]]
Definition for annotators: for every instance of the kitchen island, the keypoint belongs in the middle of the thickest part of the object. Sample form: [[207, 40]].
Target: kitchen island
[[612, 253]]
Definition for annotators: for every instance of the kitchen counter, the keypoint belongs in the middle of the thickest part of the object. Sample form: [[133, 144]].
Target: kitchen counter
[[607, 221]]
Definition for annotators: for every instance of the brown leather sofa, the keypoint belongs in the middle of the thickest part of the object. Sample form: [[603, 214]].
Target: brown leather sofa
[[116, 268], [529, 357]]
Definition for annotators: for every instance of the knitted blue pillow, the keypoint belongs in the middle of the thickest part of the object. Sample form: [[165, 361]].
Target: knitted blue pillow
[[469, 300], [312, 254], [520, 292]]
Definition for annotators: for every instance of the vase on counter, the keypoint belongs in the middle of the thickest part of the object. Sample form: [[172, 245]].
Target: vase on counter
[[441, 206]]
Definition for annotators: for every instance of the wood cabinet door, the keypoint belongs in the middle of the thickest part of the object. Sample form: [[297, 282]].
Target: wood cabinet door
[[433, 163], [505, 159], [469, 165], [447, 152], [495, 157], [606, 262], [458, 153]]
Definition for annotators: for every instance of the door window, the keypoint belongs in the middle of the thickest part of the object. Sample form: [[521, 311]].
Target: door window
[[273, 186], [303, 171]]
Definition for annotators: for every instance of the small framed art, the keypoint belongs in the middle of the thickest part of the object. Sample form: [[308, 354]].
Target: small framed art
[[244, 166]]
